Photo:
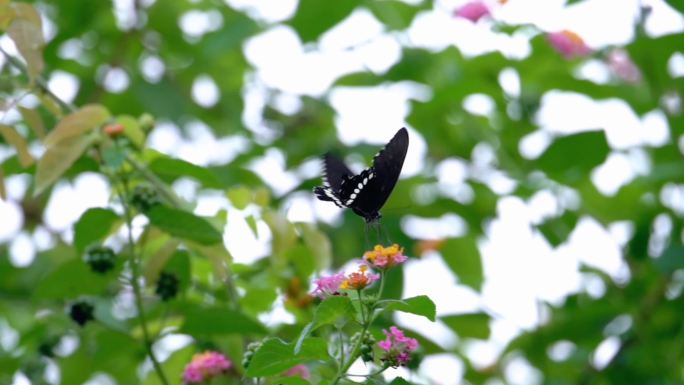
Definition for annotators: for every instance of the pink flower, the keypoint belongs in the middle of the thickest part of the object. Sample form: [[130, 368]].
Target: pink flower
[[327, 286], [205, 366], [623, 66], [397, 347], [473, 11], [359, 280], [569, 44], [298, 371], [385, 257]]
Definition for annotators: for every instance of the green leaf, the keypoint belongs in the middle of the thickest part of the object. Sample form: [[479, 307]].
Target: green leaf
[[219, 321], [26, 30], [132, 129], [240, 197], [57, 159], [275, 356], [571, 158], [70, 280], [676, 4], [463, 257], [33, 120], [333, 309], [420, 305], [474, 325], [93, 226], [314, 17], [17, 141], [170, 169], [185, 225], [400, 381], [77, 123], [395, 15]]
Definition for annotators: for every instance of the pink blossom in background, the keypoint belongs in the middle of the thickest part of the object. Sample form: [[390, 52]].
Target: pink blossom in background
[[473, 11], [397, 347], [298, 371], [623, 67], [569, 44], [205, 366], [327, 286]]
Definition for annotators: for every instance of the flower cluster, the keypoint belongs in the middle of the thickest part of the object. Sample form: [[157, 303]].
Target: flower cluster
[[205, 366], [380, 258], [383, 258], [397, 347], [569, 44], [360, 279]]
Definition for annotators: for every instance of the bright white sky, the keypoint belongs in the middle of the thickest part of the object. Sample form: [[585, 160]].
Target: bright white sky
[[522, 270]]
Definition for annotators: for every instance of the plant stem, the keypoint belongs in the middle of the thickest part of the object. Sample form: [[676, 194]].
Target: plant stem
[[137, 290], [354, 352]]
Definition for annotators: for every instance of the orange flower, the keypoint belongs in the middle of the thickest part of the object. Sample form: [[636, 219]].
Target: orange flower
[[359, 280]]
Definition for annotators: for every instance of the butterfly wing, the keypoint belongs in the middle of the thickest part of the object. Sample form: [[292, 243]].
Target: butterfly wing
[[335, 175], [367, 192]]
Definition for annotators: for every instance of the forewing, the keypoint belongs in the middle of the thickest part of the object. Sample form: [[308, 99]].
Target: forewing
[[376, 183]]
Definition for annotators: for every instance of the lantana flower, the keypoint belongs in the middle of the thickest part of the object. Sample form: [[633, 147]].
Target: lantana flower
[[383, 258], [473, 11], [397, 347], [328, 286], [298, 371], [623, 67], [205, 366], [569, 44], [360, 279]]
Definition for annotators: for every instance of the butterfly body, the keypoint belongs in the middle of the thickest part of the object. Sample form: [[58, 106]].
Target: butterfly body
[[367, 192]]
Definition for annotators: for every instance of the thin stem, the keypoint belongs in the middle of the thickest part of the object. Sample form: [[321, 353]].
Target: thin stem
[[354, 352], [137, 291]]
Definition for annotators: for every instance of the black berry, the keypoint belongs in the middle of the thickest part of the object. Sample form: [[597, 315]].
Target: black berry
[[167, 286], [101, 259], [81, 312]]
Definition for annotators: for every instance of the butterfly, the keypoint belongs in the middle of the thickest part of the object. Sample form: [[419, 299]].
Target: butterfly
[[367, 192]]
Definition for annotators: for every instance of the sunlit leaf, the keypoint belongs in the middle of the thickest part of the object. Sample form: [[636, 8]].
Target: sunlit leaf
[[184, 225], [156, 262], [132, 129], [570, 158], [275, 356], [313, 17], [77, 123], [240, 197], [26, 30], [57, 159], [34, 120], [3, 192], [19, 143]]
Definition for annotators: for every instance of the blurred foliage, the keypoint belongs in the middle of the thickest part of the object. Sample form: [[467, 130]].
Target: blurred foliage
[[218, 302]]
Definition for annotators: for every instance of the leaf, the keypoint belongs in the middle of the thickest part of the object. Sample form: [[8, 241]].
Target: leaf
[[570, 158], [26, 31], [400, 381], [327, 313], [420, 305], [57, 159], [219, 321], [185, 225], [314, 17], [240, 197], [78, 123], [94, 225], [156, 262], [676, 4], [292, 380], [474, 325], [463, 257], [33, 120], [19, 143], [132, 129], [275, 356], [70, 280], [170, 169]]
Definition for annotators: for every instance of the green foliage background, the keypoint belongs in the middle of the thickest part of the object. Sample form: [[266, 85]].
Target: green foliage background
[[219, 301]]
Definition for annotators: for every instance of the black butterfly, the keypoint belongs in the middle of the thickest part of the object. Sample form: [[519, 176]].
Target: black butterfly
[[364, 193]]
